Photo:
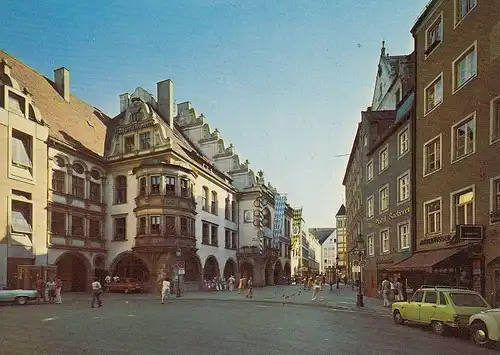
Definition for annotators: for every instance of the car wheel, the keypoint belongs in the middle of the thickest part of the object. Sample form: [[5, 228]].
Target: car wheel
[[126, 290], [479, 335], [22, 300], [398, 319], [439, 328]]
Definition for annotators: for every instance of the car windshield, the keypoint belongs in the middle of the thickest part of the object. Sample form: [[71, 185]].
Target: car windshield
[[467, 300]]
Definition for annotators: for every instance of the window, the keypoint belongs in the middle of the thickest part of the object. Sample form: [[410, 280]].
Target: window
[[369, 171], [22, 154], [433, 94], [78, 168], [403, 140], [155, 225], [462, 8], [155, 185], [371, 247], [204, 198], [384, 199], [432, 219], [95, 192], [430, 297], [463, 138], [192, 228], [21, 220], [142, 226], [384, 241], [214, 239], [495, 119], [16, 103], [77, 226], [369, 207], [384, 159], [77, 186], [96, 175], [227, 209], [58, 223], [120, 229], [266, 218], [404, 235], [184, 226], [404, 187], [227, 239], [233, 211], [417, 296], [58, 180], [170, 185], [184, 188], [129, 144], [432, 155], [205, 236], [495, 200], [434, 35], [442, 299], [121, 189], [142, 186], [170, 224], [365, 140], [465, 67], [95, 229], [213, 205], [145, 140], [463, 207]]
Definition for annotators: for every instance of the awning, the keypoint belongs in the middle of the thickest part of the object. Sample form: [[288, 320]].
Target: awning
[[424, 261]]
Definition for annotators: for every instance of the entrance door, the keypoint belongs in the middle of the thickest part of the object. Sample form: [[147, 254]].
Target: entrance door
[[428, 307]]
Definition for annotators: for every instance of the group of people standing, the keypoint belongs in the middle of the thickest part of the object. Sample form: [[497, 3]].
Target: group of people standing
[[49, 291], [391, 291]]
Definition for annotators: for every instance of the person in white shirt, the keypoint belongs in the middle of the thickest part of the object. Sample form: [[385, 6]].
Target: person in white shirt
[[96, 293], [165, 290]]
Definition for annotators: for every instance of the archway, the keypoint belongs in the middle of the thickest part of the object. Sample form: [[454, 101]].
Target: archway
[[211, 268], [278, 273], [269, 279], [193, 269], [246, 270], [230, 268], [130, 265], [73, 270], [288, 271]]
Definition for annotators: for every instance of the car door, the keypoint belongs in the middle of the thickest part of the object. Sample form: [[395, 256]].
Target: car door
[[411, 310], [6, 295], [428, 307]]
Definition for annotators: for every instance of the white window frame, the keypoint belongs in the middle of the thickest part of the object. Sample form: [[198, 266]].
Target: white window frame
[[371, 248], [428, 202], [424, 156], [372, 199], [494, 117], [457, 21], [400, 134], [365, 140], [493, 182], [382, 251], [433, 82], [400, 224], [400, 200], [470, 117], [438, 18], [369, 166], [452, 205], [380, 210], [385, 149], [458, 59]]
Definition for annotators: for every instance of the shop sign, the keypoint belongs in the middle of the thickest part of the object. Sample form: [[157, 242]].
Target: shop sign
[[470, 232], [391, 216], [448, 239]]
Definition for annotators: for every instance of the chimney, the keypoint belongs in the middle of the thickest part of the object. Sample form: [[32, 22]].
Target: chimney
[[61, 78], [124, 101], [165, 97]]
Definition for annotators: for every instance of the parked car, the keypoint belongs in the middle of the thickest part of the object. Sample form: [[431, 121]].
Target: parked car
[[485, 328], [441, 307], [126, 285], [19, 296]]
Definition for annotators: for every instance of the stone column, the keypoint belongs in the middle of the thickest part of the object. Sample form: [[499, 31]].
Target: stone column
[[259, 273]]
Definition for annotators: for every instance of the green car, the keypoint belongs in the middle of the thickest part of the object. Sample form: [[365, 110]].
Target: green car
[[440, 307]]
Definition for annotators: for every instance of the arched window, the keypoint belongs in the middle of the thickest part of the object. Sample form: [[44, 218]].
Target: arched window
[[204, 198], [213, 205], [120, 189], [234, 211], [227, 210], [266, 218]]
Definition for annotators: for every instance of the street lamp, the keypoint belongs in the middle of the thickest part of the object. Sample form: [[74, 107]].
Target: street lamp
[[360, 249], [337, 270], [178, 253]]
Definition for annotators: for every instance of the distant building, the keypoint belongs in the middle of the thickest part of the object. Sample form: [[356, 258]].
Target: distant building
[[341, 247], [327, 238]]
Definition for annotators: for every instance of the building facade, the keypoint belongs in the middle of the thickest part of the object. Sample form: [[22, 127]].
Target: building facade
[[327, 238], [457, 134], [341, 247]]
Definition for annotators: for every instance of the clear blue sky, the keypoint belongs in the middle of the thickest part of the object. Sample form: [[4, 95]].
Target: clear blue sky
[[284, 81]]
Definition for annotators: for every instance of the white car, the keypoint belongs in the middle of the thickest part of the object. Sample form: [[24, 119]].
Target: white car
[[19, 296], [485, 327]]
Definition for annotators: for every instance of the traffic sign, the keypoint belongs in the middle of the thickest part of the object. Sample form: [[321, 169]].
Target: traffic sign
[[179, 265]]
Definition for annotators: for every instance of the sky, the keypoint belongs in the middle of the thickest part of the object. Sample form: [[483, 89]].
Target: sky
[[284, 81]]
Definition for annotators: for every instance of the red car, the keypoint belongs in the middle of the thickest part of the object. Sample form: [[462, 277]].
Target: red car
[[125, 285]]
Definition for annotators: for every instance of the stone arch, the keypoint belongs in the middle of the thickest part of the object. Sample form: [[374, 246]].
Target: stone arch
[[63, 157], [82, 163], [229, 268], [278, 273], [287, 270], [193, 268], [130, 264], [74, 270], [246, 269], [211, 268]]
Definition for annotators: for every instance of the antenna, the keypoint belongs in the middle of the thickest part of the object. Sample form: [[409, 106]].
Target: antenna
[[341, 155]]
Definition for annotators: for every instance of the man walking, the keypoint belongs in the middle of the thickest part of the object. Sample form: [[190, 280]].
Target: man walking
[[96, 293], [386, 289], [165, 290]]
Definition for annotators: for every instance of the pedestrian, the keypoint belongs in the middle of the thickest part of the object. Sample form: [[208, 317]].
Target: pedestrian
[[165, 290], [249, 285], [51, 288], [231, 283], [385, 288], [317, 288], [399, 290], [241, 285], [40, 288], [96, 293], [58, 290]]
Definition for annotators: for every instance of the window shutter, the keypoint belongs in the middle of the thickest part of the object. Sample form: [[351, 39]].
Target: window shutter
[[19, 223], [20, 153]]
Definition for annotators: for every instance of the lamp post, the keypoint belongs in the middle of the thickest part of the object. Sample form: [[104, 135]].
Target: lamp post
[[337, 270], [360, 250], [178, 253]]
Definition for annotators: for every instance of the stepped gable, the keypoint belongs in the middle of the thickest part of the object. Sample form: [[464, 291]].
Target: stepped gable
[[74, 123]]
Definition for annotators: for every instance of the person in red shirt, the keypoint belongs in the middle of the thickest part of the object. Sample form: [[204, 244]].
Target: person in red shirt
[[40, 287]]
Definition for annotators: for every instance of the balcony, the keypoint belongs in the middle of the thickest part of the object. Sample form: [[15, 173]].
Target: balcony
[[165, 200], [170, 241], [77, 242]]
